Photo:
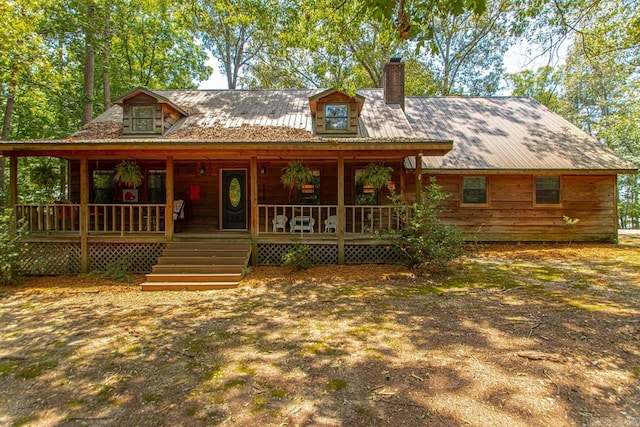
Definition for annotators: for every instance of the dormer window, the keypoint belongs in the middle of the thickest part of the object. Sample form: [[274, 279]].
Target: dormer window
[[142, 118], [337, 117], [336, 113]]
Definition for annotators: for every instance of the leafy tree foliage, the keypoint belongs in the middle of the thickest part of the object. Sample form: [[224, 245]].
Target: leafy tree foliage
[[427, 243]]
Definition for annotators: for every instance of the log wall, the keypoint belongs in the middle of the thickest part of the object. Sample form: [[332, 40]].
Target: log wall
[[512, 215]]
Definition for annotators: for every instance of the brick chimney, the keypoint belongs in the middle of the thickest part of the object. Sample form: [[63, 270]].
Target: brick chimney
[[393, 82]]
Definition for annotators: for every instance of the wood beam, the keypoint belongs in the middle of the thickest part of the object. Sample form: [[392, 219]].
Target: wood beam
[[253, 194], [342, 212], [13, 181], [84, 215], [419, 178], [170, 194]]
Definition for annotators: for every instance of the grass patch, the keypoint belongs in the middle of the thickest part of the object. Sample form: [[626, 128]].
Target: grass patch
[[259, 403], [8, 367], [36, 370], [23, 421], [279, 393], [238, 382], [191, 411], [336, 384], [323, 349], [76, 403]]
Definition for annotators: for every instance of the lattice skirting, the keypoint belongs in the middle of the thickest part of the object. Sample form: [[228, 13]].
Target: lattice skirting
[[271, 253], [139, 256], [50, 258], [372, 254]]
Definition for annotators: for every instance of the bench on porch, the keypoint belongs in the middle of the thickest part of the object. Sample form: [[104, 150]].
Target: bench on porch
[[302, 223]]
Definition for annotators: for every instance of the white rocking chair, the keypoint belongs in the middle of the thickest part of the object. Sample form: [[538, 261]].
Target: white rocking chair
[[331, 223]]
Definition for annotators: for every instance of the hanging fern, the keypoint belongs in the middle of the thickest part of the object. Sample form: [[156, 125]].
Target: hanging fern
[[44, 174], [295, 175], [376, 175], [128, 174]]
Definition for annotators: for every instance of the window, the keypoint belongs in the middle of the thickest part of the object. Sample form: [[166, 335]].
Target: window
[[547, 190], [474, 190], [156, 186], [142, 118], [103, 186], [336, 117], [309, 194]]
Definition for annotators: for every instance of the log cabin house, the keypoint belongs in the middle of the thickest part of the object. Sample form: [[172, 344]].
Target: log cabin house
[[212, 160]]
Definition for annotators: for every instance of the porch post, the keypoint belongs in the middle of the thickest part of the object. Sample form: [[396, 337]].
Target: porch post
[[170, 194], [342, 212], [253, 194], [13, 181], [84, 214], [419, 178]]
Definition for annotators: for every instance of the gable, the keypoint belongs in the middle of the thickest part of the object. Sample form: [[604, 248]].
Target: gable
[[336, 113], [145, 113]]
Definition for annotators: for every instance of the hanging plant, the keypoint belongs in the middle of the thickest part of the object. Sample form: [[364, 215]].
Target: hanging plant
[[376, 176], [128, 174], [295, 175], [44, 174]]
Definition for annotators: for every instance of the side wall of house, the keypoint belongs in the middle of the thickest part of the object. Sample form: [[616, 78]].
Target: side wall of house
[[512, 214]]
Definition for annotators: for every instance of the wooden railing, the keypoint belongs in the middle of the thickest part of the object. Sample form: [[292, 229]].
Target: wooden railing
[[368, 218], [126, 218], [121, 219], [360, 219], [296, 218], [51, 218]]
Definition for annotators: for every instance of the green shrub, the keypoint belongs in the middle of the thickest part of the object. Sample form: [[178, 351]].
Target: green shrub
[[427, 243], [298, 257], [11, 247]]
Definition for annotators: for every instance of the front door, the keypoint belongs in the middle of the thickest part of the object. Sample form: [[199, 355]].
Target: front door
[[234, 199]]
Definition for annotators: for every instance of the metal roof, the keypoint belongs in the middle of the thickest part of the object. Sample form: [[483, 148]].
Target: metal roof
[[505, 133], [489, 134]]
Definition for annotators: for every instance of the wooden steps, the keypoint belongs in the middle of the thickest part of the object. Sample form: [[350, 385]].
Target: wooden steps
[[199, 265]]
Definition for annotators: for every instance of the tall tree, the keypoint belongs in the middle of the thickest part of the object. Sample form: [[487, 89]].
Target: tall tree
[[236, 31]]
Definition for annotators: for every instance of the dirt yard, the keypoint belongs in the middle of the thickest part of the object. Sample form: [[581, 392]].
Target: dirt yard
[[516, 336]]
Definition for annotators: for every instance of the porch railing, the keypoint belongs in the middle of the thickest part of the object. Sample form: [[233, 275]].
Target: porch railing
[[359, 219], [126, 218], [118, 219], [50, 217]]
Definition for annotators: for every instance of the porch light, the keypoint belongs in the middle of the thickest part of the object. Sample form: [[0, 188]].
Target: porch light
[[308, 188], [202, 170]]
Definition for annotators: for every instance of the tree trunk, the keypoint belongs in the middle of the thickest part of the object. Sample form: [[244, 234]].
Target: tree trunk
[[89, 70], [6, 126], [106, 84]]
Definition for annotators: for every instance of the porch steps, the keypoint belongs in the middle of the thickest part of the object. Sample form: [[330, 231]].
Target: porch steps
[[199, 265]]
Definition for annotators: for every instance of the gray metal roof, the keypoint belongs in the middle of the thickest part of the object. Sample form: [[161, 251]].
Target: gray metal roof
[[505, 133], [488, 134]]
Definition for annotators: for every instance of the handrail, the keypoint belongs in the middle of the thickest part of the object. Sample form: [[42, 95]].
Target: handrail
[[104, 218], [51, 217], [359, 219]]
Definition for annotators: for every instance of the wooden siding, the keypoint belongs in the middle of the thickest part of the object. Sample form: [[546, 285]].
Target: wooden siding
[[512, 215]]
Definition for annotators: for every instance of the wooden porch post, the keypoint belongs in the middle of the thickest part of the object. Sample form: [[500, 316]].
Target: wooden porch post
[[13, 181], [84, 214], [170, 194], [419, 178], [253, 194], [342, 212]]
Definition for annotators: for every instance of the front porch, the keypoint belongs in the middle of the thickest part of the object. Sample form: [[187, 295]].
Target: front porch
[[99, 221], [137, 234]]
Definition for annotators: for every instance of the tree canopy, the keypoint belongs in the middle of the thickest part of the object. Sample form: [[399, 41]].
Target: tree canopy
[[63, 61]]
